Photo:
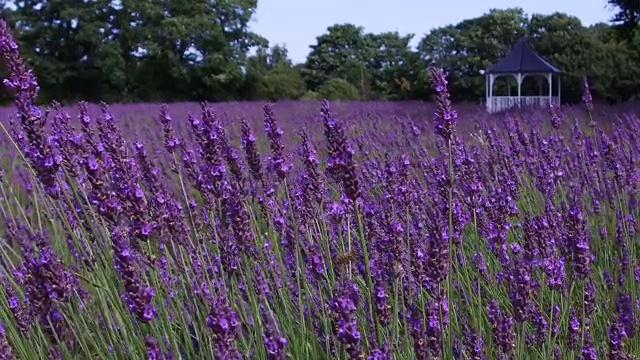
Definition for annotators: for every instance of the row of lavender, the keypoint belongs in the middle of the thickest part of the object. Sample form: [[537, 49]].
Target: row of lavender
[[380, 235]]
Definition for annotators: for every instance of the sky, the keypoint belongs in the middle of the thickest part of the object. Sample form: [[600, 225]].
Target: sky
[[297, 23]]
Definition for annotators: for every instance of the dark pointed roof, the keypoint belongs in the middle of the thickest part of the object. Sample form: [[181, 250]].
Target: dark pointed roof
[[523, 59]]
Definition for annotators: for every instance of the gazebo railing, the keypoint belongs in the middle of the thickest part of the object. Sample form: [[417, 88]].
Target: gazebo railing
[[500, 103]]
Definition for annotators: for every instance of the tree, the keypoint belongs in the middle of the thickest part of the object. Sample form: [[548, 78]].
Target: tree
[[471, 46], [393, 67], [341, 52], [61, 40], [564, 41], [476, 44], [376, 64], [137, 49], [168, 50], [627, 17], [194, 49], [270, 75], [581, 51]]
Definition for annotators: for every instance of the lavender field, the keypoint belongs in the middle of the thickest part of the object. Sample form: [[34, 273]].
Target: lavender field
[[308, 230]]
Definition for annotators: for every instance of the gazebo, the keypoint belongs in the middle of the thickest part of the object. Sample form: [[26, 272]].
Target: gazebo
[[521, 62]]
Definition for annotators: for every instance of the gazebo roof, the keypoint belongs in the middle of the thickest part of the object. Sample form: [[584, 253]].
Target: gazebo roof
[[524, 60]]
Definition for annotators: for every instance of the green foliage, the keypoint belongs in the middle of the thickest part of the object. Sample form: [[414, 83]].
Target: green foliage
[[270, 75], [581, 51], [472, 45], [627, 16], [338, 89], [166, 50], [310, 95], [476, 44], [375, 64], [382, 66], [282, 83], [137, 50]]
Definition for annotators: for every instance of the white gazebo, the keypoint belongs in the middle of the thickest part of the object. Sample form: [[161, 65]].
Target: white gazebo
[[522, 62]]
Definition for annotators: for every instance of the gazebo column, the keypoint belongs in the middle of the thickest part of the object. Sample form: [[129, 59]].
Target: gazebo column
[[519, 78], [550, 79], [486, 89], [491, 80]]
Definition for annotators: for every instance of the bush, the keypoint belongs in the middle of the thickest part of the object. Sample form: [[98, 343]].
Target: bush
[[310, 95], [338, 89], [282, 84]]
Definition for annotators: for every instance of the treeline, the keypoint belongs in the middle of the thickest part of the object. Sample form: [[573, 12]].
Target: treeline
[[173, 50]]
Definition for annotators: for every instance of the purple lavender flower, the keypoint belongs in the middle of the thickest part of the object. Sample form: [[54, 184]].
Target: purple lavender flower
[[445, 117], [47, 284], [540, 326], [589, 299], [574, 328], [171, 141], [154, 352], [481, 265], [17, 307], [340, 165], [554, 267], [556, 121], [278, 162], [586, 95], [589, 350], [627, 314], [437, 264], [418, 333], [520, 289], [238, 220], [251, 152], [231, 157], [473, 345], [578, 243], [6, 352], [41, 151], [502, 327], [225, 326], [434, 326], [273, 340], [138, 296], [54, 354], [343, 307], [70, 142], [212, 168], [313, 183], [608, 278], [617, 335], [380, 354], [383, 308]]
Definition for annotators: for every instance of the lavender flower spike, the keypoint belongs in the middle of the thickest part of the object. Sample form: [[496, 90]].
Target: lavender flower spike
[[445, 117], [6, 353], [139, 297], [586, 95]]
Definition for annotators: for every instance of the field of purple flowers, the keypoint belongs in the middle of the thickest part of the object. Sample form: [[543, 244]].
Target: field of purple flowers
[[315, 231]]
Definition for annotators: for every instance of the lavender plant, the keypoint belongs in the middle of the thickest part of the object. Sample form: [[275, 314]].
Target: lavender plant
[[316, 231]]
